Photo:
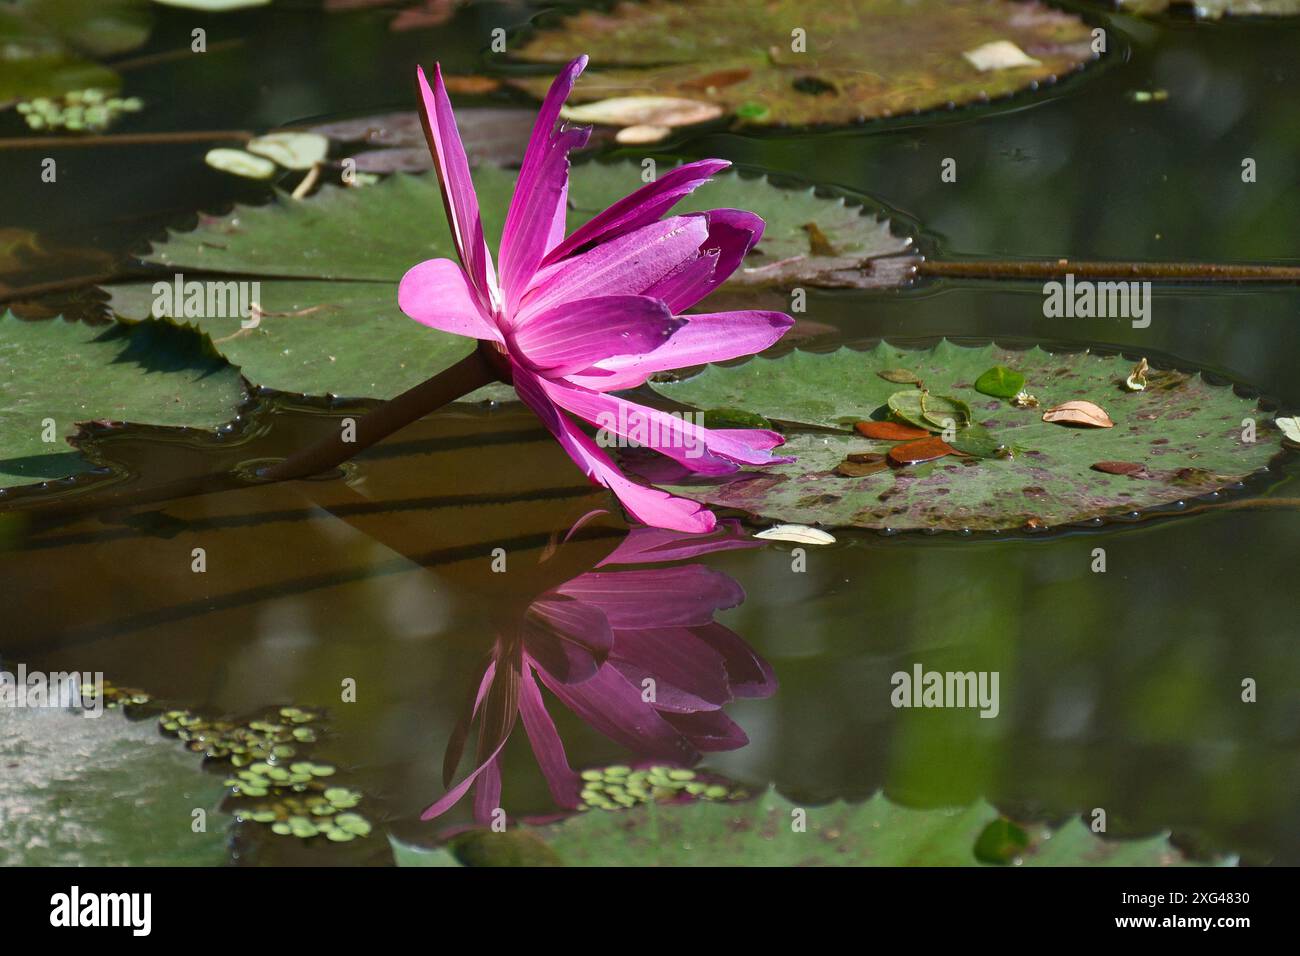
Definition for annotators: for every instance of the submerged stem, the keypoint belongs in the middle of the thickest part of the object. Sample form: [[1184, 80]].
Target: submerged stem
[[471, 372]]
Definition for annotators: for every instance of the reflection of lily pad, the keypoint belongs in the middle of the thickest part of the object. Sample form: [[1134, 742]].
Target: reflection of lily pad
[[760, 832], [329, 268], [1213, 9], [859, 61], [47, 46], [102, 791], [1185, 431], [54, 374]]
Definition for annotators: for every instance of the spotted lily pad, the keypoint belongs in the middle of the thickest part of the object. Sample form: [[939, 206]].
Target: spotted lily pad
[[54, 374], [1214, 9], [328, 268], [1186, 432], [788, 62], [876, 832]]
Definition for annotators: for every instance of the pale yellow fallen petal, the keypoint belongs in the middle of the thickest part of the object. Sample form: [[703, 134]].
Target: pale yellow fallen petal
[[998, 55], [797, 533], [643, 111], [640, 135]]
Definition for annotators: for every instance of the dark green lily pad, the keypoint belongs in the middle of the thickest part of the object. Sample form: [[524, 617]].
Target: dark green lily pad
[[102, 791], [761, 832], [1214, 9], [329, 268], [861, 61], [47, 46], [1184, 430], [68, 372]]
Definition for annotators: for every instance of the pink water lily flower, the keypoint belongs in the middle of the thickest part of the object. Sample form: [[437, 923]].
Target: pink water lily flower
[[568, 320]]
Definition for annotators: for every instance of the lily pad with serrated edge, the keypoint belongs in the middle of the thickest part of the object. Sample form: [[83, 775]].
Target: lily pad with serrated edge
[[1214, 9], [860, 61], [874, 832], [328, 268], [54, 374], [1185, 430]]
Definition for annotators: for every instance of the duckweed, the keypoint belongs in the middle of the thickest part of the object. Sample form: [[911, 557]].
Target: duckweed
[[620, 787], [79, 111]]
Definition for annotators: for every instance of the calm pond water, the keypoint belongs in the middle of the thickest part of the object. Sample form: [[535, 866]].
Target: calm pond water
[[1118, 690]]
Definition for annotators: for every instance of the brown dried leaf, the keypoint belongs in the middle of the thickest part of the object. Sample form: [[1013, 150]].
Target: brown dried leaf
[[1134, 469], [1079, 413], [927, 449], [860, 469], [900, 376], [818, 244], [471, 85], [890, 431]]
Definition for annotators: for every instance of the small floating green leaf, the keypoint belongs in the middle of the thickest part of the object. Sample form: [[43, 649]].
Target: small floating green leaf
[[1000, 382], [239, 163]]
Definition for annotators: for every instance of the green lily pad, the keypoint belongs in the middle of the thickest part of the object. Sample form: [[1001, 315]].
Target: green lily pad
[[858, 62], [1186, 432], [47, 46], [102, 791], [762, 832], [328, 268], [63, 373], [1214, 9]]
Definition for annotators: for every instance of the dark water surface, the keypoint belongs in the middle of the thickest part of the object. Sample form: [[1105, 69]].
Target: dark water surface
[[1118, 690]]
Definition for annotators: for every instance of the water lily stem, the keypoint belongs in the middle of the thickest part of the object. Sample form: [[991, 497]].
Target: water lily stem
[[1129, 271], [470, 373], [127, 139]]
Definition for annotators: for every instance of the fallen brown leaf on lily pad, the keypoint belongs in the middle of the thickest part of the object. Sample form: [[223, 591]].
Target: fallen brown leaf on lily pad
[[890, 431], [900, 376], [1082, 413], [914, 452], [1134, 469], [849, 468]]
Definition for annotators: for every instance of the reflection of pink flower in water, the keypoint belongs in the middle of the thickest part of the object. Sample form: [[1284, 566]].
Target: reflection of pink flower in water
[[570, 320], [593, 642]]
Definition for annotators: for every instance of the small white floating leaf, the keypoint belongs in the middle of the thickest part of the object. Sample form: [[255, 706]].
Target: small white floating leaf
[[797, 533], [240, 163], [999, 55], [643, 111], [291, 150]]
